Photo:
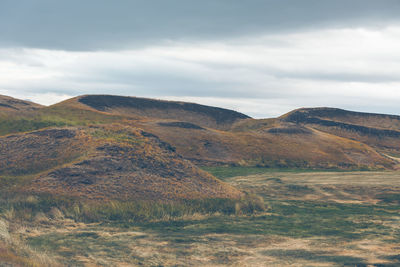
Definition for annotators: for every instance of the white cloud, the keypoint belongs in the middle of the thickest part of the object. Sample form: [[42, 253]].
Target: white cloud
[[265, 76]]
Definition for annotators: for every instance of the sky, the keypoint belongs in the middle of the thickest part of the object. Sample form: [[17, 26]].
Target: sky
[[260, 57]]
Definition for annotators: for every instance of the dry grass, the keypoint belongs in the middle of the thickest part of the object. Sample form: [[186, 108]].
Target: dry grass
[[259, 147], [345, 223]]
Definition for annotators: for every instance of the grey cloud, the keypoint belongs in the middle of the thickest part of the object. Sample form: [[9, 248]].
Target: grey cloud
[[340, 77], [104, 24]]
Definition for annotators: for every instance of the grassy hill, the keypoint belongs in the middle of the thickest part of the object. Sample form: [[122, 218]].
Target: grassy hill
[[12, 104], [106, 162], [206, 116], [286, 146], [380, 131], [372, 120], [307, 138]]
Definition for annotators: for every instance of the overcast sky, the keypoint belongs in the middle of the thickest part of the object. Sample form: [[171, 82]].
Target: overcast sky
[[260, 57]]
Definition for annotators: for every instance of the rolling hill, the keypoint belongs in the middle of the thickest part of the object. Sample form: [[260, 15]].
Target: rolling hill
[[213, 136], [380, 131], [9, 104], [135, 107], [106, 162], [126, 148]]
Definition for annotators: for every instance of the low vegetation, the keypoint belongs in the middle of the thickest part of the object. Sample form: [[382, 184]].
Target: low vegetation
[[28, 208], [301, 218], [101, 182]]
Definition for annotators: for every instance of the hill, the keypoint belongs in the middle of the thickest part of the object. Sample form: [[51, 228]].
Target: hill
[[277, 145], [106, 162], [213, 136], [372, 120], [202, 115], [320, 138], [9, 104], [380, 131]]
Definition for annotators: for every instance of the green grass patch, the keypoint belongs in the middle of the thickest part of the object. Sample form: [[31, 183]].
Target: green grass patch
[[232, 171], [389, 198], [296, 219], [53, 117], [16, 125], [315, 256]]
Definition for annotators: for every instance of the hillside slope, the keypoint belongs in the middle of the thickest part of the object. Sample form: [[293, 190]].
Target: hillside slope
[[379, 131], [278, 145], [372, 120], [202, 115], [106, 162], [9, 104], [306, 138]]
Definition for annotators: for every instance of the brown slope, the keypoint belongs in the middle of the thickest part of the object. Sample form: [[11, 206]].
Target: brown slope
[[9, 104], [111, 162], [377, 130], [273, 144], [41, 150], [372, 120], [202, 115], [270, 142]]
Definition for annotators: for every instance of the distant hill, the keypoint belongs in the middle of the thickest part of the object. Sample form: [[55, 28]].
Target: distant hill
[[379, 131], [9, 104], [202, 115], [277, 145], [372, 120], [112, 147]]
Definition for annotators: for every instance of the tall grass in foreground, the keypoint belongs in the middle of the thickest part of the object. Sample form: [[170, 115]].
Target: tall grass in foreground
[[31, 208]]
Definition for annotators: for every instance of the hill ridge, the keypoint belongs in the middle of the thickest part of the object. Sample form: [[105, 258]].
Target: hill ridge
[[207, 116]]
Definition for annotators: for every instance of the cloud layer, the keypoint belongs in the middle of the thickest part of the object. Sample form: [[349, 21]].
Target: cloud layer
[[103, 24], [262, 58]]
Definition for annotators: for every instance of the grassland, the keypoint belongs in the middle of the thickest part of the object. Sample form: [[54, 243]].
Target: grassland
[[312, 219]]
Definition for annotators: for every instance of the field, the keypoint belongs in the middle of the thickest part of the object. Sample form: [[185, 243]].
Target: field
[[312, 219]]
